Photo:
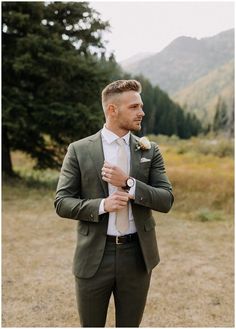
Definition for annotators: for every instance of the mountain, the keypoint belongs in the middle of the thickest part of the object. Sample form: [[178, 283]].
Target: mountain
[[202, 95], [195, 72], [135, 58], [185, 60]]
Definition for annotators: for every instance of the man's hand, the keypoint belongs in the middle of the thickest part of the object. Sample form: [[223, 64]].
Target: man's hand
[[117, 201], [114, 175]]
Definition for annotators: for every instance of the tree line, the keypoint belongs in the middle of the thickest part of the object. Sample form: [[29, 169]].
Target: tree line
[[223, 121], [54, 66]]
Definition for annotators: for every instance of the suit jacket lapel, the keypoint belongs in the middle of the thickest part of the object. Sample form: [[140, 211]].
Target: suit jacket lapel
[[135, 157], [97, 155]]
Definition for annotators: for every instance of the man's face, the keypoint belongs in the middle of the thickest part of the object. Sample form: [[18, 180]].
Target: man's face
[[130, 111]]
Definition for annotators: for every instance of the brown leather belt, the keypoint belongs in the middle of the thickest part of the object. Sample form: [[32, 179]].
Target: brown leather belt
[[122, 239]]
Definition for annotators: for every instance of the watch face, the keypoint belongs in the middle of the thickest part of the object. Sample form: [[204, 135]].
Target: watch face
[[130, 182]]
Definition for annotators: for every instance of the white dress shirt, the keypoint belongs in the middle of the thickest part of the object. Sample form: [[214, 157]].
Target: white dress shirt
[[110, 149]]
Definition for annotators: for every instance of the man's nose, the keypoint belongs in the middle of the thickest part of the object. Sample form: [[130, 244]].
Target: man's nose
[[141, 112]]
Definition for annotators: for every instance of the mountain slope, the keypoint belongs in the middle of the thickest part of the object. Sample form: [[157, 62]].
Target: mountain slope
[[201, 96], [185, 60], [136, 58]]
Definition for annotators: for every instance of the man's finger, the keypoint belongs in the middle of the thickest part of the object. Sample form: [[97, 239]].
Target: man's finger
[[106, 179], [112, 168], [130, 196], [122, 198], [125, 194], [120, 192], [108, 165], [122, 203], [119, 207]]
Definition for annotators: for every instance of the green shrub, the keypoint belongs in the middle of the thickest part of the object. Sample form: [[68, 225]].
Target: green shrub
[[207, 215]]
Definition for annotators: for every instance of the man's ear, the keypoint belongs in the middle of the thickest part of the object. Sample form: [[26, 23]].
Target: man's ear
[[112, 109]]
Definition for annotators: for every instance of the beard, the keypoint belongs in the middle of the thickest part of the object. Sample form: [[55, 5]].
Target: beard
[[137, 126], [133, 126]]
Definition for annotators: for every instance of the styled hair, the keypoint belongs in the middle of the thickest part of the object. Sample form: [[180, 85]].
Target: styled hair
[[117, 87]]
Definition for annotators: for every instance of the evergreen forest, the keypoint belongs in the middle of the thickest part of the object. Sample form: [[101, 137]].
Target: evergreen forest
[[54, 67]]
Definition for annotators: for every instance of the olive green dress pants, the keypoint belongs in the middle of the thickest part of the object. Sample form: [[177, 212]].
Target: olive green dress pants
[[122, 273]]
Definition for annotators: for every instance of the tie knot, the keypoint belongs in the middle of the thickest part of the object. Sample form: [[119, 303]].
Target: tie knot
[[120, 141]]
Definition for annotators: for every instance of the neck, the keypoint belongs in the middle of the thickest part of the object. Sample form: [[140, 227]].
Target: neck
[[116, 130]]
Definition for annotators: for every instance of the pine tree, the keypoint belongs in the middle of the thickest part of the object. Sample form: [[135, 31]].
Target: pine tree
[[221, 118], [52, 77]]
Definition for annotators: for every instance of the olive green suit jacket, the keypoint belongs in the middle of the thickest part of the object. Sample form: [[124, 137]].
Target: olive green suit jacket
[[81, 189]]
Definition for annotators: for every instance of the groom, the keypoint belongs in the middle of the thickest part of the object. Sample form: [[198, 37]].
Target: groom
[[109, 183]]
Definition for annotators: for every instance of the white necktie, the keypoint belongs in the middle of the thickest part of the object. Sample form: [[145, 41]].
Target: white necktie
[[122, 216]]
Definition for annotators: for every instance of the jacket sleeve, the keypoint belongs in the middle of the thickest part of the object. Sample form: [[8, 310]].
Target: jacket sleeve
[[68, 203], [157, 194]]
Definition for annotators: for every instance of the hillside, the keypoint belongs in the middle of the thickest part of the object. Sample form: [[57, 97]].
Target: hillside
[[185, 60], [135, 58], [201, 96]]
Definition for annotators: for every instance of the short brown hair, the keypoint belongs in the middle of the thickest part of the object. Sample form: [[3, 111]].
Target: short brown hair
[[118, 87]]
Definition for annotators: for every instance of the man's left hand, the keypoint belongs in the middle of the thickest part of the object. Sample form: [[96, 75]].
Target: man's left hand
[[114, 175]]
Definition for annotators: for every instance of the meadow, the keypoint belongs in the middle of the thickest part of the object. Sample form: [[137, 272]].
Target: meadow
[[193, 286]]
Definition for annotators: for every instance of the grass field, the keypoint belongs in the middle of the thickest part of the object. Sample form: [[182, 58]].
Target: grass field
[[192, 287]]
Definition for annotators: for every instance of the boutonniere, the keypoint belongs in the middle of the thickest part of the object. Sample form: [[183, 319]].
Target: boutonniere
[[143, 144]]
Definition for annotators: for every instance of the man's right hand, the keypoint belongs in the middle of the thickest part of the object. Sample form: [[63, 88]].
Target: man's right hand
[[117, 201]]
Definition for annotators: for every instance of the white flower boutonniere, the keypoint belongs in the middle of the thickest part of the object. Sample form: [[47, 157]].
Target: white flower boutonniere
[[143, 144]]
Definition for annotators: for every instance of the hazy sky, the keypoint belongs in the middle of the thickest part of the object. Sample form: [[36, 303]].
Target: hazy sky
[[138, 26]]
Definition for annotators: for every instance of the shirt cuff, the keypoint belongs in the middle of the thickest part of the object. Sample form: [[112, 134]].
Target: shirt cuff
[[101, 208], [132, 189]]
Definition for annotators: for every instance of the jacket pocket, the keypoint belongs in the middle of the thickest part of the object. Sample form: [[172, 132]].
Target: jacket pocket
[[149, 224], [146, 164], [83, 228]]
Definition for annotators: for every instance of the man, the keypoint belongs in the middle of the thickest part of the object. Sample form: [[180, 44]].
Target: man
[[110, 182]]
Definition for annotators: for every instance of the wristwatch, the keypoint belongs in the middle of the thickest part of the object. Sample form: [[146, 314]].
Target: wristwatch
[[129, 183]]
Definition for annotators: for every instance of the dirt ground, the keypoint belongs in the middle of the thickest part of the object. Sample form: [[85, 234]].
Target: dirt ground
[[193, 286]]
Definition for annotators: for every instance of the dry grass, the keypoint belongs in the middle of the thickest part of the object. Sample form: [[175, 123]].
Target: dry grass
[[192, 286], [202, 183]]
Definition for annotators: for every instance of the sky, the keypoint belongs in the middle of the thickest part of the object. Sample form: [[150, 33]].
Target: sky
[[149, 26]]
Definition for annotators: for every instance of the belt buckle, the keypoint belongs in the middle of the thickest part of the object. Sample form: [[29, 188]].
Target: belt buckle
[[117, 240]]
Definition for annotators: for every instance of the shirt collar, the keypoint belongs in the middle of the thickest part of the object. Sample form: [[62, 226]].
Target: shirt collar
[[110, 137]]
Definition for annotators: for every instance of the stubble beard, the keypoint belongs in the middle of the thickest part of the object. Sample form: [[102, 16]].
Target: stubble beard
[[138, 127], [132, 127]]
